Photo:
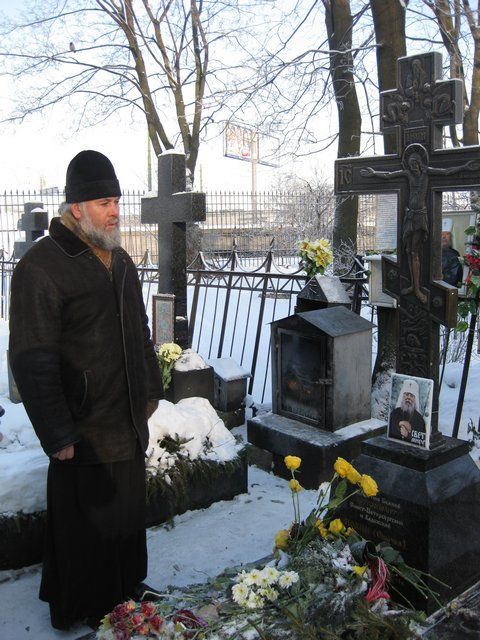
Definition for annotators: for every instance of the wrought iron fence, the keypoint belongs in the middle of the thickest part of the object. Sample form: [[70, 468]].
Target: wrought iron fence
[[233, 300], [250, 220]]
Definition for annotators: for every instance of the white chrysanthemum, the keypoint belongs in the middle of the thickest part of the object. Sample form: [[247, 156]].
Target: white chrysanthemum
[[287, 578], [271, 574], [254, 601], [252, 577], [269, 593], [241, 576], [240, 592], [263, 579]]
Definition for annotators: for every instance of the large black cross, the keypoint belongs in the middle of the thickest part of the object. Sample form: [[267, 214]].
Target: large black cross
[[171, 210], [417, 110]]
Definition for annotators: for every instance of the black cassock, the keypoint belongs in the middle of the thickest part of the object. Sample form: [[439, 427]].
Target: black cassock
[[95, 550]]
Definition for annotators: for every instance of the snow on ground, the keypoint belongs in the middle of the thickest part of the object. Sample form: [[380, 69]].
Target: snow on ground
[[200, 544]]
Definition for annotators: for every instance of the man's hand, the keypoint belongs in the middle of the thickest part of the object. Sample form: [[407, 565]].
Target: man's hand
[[405, 428], [65, 454]]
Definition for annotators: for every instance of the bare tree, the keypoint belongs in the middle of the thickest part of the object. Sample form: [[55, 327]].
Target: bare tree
[[459, 27], [101, 56], [339, 22]]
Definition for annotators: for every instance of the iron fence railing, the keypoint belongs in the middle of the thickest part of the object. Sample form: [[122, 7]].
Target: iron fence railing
[[231, 305], [250, 220]]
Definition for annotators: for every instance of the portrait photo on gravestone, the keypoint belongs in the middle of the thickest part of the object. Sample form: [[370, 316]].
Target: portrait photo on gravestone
[[410, 410]]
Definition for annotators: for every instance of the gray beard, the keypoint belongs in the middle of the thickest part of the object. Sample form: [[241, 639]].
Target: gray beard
[[101, 239], [408, 409]]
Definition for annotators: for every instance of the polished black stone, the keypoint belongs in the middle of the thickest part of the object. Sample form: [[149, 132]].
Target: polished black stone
[[318, 448], [428, 508], [189, 384]]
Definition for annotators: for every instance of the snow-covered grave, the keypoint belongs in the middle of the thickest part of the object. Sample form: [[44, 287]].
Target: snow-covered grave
[[189, 449]]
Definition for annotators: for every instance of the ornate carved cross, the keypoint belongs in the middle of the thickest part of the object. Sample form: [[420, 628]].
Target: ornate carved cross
[[171, 210], [419, 172]]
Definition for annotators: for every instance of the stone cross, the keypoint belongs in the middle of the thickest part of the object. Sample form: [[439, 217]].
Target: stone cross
[[171, 209], [417, 110]]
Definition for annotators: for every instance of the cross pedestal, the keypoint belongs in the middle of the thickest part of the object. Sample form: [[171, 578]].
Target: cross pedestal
[[171, 209], [422, 492]]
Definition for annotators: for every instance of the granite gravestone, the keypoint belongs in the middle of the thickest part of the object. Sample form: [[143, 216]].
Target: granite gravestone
[[171, 210], [429, 505]]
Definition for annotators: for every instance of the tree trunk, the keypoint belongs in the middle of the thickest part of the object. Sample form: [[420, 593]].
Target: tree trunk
[[389, 23], [339, 22]]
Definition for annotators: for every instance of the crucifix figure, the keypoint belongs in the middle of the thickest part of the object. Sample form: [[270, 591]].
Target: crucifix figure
[[171, 209], [416, 111], [415, 221]]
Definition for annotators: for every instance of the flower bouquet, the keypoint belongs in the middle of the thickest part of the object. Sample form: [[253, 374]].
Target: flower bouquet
[[145, 620], [323, 581], [315, 256], [168, 353]]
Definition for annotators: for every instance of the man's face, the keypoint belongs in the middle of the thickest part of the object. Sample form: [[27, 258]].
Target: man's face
[[446, 239], [99, 220], [409, 399], [415, 164]]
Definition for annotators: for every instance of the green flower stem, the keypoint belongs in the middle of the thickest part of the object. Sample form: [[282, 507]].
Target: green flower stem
[[317, 512], [424, 589]]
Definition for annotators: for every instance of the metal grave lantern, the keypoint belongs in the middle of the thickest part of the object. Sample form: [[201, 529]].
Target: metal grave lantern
[[321, 292], [321, 367], [376, 294]]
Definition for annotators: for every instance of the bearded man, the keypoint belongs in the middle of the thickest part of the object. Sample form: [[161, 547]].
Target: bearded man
[[82, 358], [406, 423]]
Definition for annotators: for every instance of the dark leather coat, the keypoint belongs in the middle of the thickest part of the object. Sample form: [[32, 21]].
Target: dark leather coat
[[80, 349]]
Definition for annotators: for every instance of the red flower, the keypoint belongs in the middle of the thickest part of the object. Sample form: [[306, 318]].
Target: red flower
[[148, 609], [121, 632], [189, 619], [156, 622], [124, 609], [143, 629], [380, 577], [138, 618]]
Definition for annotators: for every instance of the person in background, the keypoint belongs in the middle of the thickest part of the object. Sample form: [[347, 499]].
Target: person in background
[[82, 357], [452, 269]]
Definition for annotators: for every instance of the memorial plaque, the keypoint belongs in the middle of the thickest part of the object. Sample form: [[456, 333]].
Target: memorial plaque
[[163, 318]]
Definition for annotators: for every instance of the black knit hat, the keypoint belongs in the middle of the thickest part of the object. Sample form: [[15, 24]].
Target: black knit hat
[[90, 176]]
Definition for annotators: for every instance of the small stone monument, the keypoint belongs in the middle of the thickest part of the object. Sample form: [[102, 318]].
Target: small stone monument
[[321, 369], [230, 390], [429, 505], [34, 222]]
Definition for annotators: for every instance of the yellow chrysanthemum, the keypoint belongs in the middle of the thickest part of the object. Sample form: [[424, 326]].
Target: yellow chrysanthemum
[[353, 475], [359, 571], [336, 526], [281, 539], [292, 462], [368, 485], [342, 467], [321, 528], [295, 486]]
